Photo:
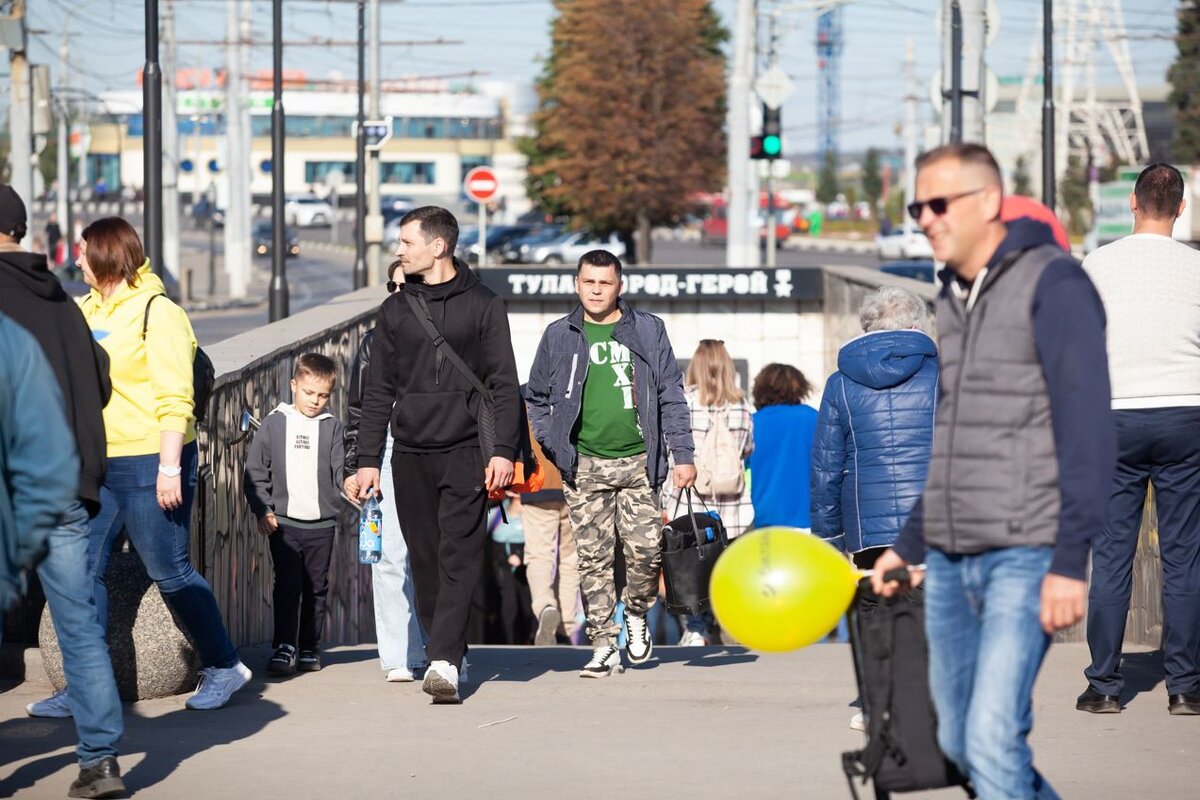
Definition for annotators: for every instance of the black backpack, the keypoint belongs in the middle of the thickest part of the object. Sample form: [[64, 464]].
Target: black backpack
[[204, 375], [891, 660]]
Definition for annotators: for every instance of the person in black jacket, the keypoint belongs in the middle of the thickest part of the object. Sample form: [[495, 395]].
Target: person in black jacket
[[398, 632], [440, 471], [33, 298]]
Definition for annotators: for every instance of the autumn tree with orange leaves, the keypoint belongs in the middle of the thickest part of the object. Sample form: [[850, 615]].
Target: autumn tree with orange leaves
[[631, 115]]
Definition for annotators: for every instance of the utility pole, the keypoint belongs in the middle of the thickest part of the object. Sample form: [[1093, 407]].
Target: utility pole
[[771, 243], [279, 287], [171, 155], [1048, 173], [740, 247], [910, 136], [374, 222], [64, 155], [237, 205], [360, 160], [20, 110], [152, 146], [963, 71]]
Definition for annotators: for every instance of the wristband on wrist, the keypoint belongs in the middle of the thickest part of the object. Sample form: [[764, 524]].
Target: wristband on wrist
[[170, 472]]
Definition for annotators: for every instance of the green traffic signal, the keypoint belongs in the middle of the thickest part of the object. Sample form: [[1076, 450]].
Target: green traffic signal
[[772, 146]]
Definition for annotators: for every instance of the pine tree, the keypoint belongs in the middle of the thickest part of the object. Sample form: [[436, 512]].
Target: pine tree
[[872, 181], [1184, 77], [827, 180], [631, 114], [1021, 180], [1073, 195]]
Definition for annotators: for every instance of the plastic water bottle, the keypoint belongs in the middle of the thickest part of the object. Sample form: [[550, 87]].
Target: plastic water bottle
[[370, 530]]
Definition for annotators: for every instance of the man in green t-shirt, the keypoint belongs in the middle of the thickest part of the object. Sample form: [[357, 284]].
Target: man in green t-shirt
[[606, 402]]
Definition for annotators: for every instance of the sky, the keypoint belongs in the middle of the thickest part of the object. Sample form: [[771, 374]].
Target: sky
[[506, 39]]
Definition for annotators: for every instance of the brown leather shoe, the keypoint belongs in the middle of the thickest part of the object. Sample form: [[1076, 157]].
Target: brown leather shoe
[[1095, 703], [1186, 704]]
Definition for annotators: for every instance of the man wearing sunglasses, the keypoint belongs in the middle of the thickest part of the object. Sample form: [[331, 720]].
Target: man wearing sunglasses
[[1024, 448]]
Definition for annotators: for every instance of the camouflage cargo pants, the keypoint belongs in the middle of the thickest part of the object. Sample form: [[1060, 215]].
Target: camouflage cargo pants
[[612, 497]]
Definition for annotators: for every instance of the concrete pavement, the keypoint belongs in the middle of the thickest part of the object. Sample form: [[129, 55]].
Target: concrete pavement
[[696, 723]]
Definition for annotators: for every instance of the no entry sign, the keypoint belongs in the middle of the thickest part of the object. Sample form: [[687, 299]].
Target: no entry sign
[[480, 184]]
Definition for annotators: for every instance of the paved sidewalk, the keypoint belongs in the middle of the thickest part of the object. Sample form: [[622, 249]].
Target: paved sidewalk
[[715, 723]]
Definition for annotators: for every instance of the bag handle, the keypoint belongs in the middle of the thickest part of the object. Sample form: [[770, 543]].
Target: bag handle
[[146, 313], [687, 493]]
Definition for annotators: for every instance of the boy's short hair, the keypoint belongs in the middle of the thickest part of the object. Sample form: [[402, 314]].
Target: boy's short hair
[[317, 365]]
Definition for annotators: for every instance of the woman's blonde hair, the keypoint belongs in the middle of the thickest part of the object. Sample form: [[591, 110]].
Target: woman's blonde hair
[[711, 371]]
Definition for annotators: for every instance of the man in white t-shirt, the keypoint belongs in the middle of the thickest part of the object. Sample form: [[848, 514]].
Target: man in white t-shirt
[[1150, 285]]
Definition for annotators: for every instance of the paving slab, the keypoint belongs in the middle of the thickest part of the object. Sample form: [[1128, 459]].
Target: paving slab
[[715, 722]]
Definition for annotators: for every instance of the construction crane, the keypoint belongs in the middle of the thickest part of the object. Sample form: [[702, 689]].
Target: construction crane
[[829, 81]]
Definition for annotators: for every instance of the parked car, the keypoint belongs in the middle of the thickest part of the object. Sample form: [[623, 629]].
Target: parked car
[[895, 245], [921, 269], [568, 247], [516, 251], [263, 239], [204, 209], [307, 211], [498, 238]]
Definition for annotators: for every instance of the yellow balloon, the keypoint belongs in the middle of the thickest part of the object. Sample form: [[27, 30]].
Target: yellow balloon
[[779, 589]]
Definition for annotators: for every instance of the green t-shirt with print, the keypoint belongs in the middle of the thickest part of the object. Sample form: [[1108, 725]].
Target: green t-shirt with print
[[608, 424]]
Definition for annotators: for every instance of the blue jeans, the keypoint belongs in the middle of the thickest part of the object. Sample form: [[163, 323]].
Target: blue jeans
[[397, 626], [127, 500], [1155, 445], [986, 646], [90, 685]]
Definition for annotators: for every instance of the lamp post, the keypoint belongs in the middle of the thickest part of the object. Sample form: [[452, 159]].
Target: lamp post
[[360, 160], [279, 287], [152, 143]]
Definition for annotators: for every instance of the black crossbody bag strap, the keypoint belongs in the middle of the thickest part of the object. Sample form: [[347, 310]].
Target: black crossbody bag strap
[[421, 310]]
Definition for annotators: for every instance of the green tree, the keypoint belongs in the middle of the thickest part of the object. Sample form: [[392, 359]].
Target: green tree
[[872, 181], [1021, 181], [631, 115], [827, 179], [1184, 77], [1073, 194]]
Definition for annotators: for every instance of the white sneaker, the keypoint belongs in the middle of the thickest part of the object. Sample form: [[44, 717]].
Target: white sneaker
[[56, 706], [858, 722], [441, 683], [547, 629], [217, 686], [606, 660], [638, 645], [400, 675], [692, 639]]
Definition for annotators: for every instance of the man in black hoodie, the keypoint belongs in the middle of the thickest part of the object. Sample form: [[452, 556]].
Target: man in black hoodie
[[442, 476], [32, 297]]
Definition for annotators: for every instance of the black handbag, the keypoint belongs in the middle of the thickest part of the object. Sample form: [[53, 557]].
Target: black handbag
[[691, 545]]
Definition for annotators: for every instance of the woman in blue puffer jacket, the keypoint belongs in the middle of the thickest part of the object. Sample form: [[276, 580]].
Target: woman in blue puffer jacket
[[875, 428]]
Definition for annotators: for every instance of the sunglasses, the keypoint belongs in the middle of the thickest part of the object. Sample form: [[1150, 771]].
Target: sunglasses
[[938, 205], [393, 287]]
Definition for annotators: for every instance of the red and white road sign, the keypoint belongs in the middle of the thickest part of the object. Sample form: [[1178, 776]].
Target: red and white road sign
[[481, 185]]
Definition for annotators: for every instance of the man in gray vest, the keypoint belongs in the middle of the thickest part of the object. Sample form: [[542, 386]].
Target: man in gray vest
[[1023, 454]]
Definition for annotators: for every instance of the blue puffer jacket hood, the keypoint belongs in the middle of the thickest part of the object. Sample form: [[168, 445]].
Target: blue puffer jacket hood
[[885, 359], [873, 439]]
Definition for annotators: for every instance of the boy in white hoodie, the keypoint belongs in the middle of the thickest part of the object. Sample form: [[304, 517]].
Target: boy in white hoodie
[[292, 481]]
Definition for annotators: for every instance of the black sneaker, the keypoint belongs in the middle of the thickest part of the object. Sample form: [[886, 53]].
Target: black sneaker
[[284, 660], [102, 779], [309, 661]]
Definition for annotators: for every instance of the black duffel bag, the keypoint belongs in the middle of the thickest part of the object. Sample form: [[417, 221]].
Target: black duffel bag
[[691, 545]]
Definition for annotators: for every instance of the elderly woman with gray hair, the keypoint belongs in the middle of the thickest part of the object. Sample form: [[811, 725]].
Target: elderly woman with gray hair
[[875, 428]]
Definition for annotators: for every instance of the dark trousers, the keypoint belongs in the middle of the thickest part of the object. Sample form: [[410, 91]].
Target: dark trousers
[[441, 503], [301, 559], [1162, 446]]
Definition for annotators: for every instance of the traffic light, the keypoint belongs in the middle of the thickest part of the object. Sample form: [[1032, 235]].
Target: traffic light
[[756, 148], [772, 134]]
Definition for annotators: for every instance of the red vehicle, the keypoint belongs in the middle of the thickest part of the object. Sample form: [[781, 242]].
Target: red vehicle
[[715, 228]]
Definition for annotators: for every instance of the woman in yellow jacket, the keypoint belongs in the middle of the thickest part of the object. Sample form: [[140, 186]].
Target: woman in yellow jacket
[[152, 458]]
